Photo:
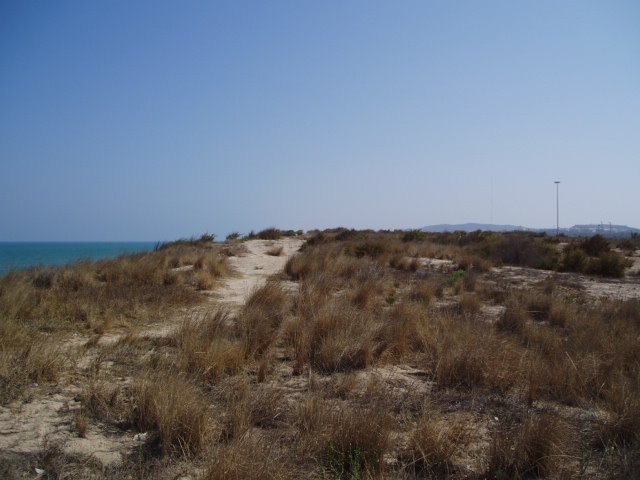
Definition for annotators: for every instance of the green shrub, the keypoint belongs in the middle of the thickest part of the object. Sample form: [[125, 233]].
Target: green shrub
[[350, 235], [457, 277], [595, 245], [523, 250], [271, 233], [414, 236], [608, 264], [371, 249], [575, 260]]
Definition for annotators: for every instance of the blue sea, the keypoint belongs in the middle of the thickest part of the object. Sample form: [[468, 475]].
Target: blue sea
[[21, 255]]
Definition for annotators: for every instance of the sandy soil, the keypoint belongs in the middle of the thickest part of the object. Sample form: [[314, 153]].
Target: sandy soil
[[48, 413], [610, 288]]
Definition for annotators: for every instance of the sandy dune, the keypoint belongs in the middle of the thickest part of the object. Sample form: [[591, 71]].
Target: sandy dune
[[48, 413]]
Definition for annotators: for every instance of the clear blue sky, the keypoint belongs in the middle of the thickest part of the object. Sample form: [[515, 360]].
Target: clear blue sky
[[152, 120]]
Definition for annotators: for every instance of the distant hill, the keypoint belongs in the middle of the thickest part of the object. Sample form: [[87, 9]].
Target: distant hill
[[620, 231], [606, 230], [471, 227]]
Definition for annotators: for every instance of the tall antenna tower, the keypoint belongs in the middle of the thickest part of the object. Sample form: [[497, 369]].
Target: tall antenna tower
[[557, 182]]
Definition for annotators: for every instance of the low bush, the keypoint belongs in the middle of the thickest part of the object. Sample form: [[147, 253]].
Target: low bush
[[595, 245], [575, 260], [414, 236], [608, 264], [522, 250], [270, 233], [371, 249]]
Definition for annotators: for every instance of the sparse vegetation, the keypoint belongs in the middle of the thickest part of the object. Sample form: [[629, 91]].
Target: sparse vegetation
[[393, 355]]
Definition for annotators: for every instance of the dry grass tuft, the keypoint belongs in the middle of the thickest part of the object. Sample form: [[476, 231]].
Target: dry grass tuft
[[424, 292], [401, 332], [248, 458], [514, 320], [268, 407], [340, 339], [536, 449], [261, 317], [351, 443], [433, 445], [276, 251], [622, 428], [203, 280], [26, 357], [209, 348], [174, 410], [80, 425], [368, 294], [470, 303], [400, 262]]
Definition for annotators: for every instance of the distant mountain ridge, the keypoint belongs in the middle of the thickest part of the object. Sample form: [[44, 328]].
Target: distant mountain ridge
[[607, 230], [472, 227]]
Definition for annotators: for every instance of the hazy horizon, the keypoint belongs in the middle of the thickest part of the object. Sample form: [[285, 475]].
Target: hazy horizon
[[161, 120]]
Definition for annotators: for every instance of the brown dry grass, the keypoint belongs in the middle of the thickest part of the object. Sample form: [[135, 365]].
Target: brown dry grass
[[347, 443], [26, 357], [433, 445], [248, 458], [535, 449], [261, 317], [39, 305], [174, 411], [378, 366], [276, 251], [209, 348]]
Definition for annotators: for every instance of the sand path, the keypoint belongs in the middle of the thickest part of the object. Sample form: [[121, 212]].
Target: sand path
[[48, 413], [254, 267]]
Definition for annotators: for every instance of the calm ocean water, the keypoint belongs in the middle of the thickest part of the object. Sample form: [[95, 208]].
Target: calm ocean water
[[21, 255]]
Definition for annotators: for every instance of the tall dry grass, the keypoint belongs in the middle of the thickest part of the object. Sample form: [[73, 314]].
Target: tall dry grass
[[209, 347], [39, 304], [174, 411], [27, 357], [94, 294], [375, 369], [538, 448], [261, 317], [433, 446]]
